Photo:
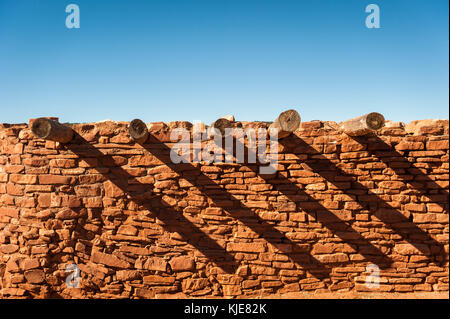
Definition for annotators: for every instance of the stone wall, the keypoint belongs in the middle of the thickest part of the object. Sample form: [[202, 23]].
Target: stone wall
[[138, 226]]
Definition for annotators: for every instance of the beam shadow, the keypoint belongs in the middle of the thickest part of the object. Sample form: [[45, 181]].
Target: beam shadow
[[222, 199], [120, 177], [370, 252], [385, 152], [315, 209], [390, 216]]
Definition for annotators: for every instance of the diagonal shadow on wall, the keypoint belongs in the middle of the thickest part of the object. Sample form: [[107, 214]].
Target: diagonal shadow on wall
[[267, 231], [173, 220], [323, 215], [391, 157], [389, 215], [222, 198]]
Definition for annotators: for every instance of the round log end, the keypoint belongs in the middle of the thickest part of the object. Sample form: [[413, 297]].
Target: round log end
[[289, 121], [221, 124], [375, 120], [41, 128], [51, 130], [138, 130]]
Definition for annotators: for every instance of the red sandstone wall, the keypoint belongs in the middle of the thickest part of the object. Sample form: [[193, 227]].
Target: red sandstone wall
[[139, 226]]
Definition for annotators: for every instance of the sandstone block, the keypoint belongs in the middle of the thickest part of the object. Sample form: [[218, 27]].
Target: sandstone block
[[108, 260], [182, 263]]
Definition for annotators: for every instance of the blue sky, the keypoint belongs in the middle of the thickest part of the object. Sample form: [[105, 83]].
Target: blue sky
[[167, 60]]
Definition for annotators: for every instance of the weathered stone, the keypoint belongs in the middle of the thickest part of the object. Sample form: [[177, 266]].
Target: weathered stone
[[246, 247], [139, 226], [155, 263], [109, 260], [35, 276], [155, 280], [182, 263]]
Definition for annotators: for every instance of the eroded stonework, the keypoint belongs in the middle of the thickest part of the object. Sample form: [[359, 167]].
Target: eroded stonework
[[138, 226]]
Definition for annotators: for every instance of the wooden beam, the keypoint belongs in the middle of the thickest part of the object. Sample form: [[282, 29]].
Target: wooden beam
[[138, 131], [363, 125], [51, 130], [222, 124], [286, 123]]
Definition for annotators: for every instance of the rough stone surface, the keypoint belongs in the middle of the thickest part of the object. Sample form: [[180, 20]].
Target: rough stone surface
[[138, 226]]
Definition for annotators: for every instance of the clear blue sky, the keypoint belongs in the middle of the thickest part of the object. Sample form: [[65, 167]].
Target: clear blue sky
[[166, 60]]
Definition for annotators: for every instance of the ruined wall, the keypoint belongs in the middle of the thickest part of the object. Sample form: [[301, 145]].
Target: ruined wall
[[137, 225]]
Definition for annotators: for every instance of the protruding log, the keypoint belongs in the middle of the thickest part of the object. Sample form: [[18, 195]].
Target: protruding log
[[51, 130], [286, 123], [363, 125], [138, 131], [222, 124]]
